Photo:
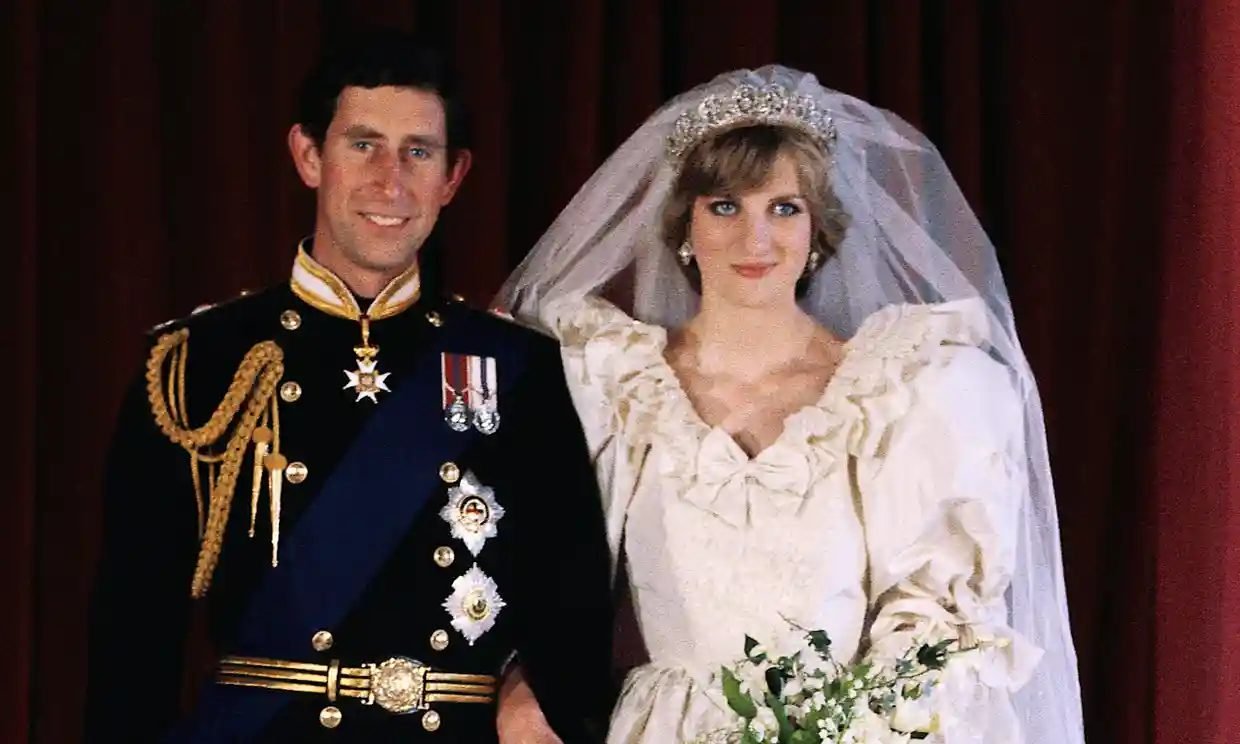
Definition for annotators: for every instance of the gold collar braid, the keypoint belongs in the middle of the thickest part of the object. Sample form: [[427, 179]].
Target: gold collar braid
[[318, 287], [252, 389]]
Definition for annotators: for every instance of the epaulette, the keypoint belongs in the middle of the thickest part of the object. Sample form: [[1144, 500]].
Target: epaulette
[[174, 323]]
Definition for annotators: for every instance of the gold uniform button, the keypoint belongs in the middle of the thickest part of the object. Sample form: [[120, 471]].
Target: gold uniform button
[[434, 319], [431, 721], [290, 319], [322, 640], [330, 717], [290, 392], [296, 472], [444, 556], [449, 472], [439, 640]]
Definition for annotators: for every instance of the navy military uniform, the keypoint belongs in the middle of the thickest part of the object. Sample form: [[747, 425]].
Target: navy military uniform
[[378, 561]]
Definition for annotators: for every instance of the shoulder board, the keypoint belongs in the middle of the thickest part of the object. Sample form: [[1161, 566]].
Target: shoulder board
[[172, 323], [507, 317]]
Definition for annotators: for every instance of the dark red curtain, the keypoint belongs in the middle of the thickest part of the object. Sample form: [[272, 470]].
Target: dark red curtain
[[1096, 140], [1197, 580]]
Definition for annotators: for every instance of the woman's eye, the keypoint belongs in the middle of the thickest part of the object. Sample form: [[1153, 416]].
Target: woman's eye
[[787, 209], [723, 207]]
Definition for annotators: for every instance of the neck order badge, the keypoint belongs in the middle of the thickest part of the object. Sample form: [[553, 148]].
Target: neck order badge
[[322, 289]]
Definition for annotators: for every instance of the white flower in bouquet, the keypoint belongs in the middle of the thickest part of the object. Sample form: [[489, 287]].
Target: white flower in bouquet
[[809, 698], [764, 725], [870, 728], [914, 715]]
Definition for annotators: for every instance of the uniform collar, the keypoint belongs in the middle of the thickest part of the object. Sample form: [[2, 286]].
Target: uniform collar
[[318, 287]]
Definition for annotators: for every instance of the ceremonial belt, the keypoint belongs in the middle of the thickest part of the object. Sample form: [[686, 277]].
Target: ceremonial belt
[[397, 685]]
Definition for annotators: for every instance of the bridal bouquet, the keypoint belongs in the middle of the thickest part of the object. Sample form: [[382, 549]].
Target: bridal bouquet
[[809, 698]]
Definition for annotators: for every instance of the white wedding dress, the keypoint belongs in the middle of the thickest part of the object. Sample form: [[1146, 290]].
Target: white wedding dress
[[884, 511]]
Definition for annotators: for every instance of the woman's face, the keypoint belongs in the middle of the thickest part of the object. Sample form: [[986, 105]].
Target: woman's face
[[751, 248]]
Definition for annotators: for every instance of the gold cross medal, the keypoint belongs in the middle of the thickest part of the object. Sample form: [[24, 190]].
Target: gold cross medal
[[367, 380]]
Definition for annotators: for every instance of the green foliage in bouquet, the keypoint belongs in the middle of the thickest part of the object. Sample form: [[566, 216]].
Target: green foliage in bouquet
[[810, 698]]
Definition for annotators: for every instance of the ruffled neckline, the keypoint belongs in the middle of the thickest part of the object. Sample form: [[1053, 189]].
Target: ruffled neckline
[[708, 468]]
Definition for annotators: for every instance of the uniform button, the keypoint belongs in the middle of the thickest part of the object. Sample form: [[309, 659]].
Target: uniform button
[[439, 640], [296, 472], [449, 472], [330, 717], [322, 640], [290, 392], [434, 319], [290, 319], [444, 556], [431, 721]]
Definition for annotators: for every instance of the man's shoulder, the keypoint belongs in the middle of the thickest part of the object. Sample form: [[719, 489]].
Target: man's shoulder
[[230, 317], [219, 335], [489, 328]]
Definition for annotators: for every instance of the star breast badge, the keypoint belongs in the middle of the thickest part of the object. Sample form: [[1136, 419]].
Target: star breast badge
[[474, 604], [472, 512]]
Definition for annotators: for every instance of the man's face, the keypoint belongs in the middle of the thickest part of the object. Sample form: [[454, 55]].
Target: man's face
[[382, 174]]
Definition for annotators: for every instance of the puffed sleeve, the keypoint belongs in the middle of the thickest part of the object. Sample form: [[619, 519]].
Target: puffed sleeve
[[612, 364], [940, 499]]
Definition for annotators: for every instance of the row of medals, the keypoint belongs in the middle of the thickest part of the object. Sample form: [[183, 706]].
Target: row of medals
[[368, 382]]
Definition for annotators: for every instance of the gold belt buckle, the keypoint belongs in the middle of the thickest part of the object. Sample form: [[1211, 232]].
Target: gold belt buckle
[[398, 685]]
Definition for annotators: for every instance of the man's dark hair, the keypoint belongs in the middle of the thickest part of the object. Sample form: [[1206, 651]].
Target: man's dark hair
[[372, 59]]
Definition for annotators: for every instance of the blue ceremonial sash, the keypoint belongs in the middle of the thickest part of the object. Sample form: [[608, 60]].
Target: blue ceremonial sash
[[340, 543]]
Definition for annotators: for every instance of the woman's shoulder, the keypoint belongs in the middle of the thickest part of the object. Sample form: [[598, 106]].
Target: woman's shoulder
[[610, 358], [907, 330], [580, 320], [922, 360]]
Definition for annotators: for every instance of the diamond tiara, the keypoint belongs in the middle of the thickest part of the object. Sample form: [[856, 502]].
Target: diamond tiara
[[748, 105]]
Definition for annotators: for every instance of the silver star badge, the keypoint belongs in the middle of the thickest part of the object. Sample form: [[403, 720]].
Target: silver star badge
[[473, 512], [367, 380], [474, 604]]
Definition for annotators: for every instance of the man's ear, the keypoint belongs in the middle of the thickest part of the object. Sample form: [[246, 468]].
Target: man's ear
[[460, 166], [306, 159]]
